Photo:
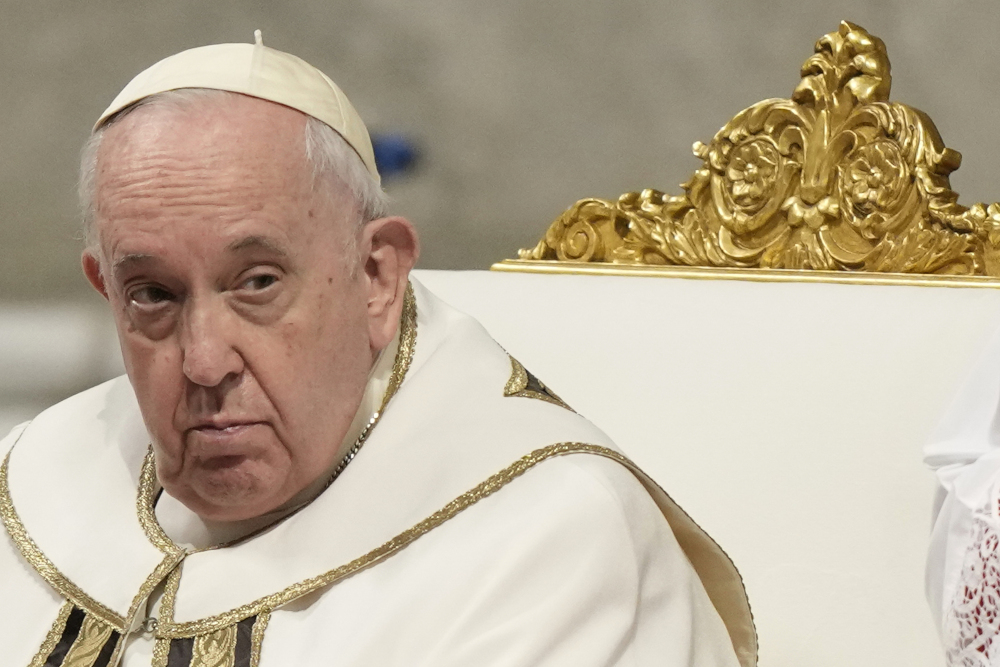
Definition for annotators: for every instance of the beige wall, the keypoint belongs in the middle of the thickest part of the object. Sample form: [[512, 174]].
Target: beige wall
[[522, 107]]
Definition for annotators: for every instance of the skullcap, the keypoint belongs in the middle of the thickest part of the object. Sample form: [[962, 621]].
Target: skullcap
[[257, 71]]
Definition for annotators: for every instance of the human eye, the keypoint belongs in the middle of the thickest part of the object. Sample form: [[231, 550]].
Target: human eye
[[149, 297], [259, 282], [258, 285]]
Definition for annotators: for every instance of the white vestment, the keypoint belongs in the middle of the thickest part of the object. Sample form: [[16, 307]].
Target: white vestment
[[481, 523]]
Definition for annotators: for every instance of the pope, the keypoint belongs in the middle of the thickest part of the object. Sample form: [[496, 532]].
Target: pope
[[312, 460]]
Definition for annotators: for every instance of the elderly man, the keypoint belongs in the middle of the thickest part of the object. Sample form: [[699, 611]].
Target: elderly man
[[313, 461]]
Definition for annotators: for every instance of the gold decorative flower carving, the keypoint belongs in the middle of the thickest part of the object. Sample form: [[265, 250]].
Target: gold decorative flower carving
[[835, 178], [751, 175]]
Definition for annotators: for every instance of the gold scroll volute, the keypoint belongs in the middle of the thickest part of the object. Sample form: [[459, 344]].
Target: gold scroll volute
[[837, 178]]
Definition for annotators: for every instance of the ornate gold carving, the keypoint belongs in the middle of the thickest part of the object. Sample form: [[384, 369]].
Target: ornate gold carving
[[751, 275], [53, 637], [837, 178], [85, 650], [522, 383]]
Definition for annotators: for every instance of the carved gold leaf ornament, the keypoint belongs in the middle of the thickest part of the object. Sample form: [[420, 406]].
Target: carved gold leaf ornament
[[835, 179]]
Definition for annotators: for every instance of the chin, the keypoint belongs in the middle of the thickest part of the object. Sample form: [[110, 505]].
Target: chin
[[234, 493]]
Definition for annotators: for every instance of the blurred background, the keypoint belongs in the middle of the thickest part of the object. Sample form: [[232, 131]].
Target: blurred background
[[514, 109]]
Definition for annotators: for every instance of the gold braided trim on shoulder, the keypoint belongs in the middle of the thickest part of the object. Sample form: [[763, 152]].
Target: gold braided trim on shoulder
[[42, 565], [487, 488], [51, 574]]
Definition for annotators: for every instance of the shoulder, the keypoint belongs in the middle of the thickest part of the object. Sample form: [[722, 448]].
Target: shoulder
[[570, 563], [106, 404], [103, 418], [598, 490], [582, 507]]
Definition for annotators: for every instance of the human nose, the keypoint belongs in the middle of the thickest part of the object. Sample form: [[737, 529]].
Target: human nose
[[207, 345]]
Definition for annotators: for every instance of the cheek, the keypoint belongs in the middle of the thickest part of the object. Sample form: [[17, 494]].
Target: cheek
[[335, 322], [322, 361], [341, 330], [155, 373]]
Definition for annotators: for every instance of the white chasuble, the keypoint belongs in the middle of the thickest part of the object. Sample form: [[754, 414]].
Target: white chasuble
[[478, 521]]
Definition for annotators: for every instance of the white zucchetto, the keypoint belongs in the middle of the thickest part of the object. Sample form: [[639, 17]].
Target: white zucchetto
[[257, 71]]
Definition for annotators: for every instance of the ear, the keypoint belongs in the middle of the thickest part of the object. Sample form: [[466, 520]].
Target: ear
[[392, 250], [92, 269]]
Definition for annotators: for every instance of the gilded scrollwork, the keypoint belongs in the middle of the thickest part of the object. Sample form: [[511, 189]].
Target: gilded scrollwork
[[836, 178]]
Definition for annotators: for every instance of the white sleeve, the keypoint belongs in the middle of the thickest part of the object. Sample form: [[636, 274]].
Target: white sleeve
[[964, 453], [591, 575]]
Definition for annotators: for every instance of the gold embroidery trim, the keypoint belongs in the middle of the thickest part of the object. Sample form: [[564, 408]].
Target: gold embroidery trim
[[161, 653], [88, 644], [257, 637], [51, 639], [42, 565], [170, 595], [449, 511], [166, 567], [51, 574], [161, 649], [145, 502], [216, 649], [518, 383], [407, 346]]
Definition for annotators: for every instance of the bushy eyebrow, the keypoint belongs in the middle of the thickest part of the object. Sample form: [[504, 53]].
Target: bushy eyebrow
[[128, 260], [257, 243], [253, 242]]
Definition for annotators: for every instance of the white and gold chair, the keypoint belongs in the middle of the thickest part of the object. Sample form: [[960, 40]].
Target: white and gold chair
[[776, 344]]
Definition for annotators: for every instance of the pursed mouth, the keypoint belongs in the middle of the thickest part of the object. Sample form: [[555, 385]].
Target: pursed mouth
[[226, 428], [213, 440]]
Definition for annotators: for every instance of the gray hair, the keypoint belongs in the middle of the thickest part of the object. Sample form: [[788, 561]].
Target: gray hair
[[331, 157]]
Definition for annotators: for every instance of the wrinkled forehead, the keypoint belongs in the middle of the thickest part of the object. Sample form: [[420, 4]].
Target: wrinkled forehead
[[194, 118], [211, 136], [216, 166]]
